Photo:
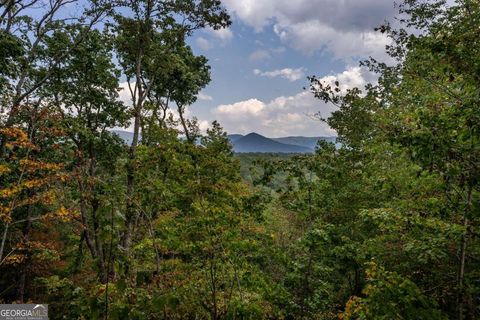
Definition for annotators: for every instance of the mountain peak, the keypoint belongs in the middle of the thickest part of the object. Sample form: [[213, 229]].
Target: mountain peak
[[254, 135], [254, 142]]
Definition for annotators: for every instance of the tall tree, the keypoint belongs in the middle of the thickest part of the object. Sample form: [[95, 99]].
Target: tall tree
[[144, 39], [85, 90], [25, 36]]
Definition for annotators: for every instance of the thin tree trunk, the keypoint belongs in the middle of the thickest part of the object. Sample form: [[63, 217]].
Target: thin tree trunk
[[23, 274], [86, 232], [463, 254], [461, 272], [4, 238], [21, 284], [109, 266], [214, 292], [138, 103], [184, 124]]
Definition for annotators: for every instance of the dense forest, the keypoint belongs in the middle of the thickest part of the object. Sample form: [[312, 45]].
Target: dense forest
[[382, 225]]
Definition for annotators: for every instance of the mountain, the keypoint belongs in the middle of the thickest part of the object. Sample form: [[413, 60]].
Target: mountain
[[308, 142], [234, 137], [125, 135], [254, 142]]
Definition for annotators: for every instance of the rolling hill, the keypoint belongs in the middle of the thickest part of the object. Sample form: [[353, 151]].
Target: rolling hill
[[253, 142], [308, 142], [125, 135], [235, 137]]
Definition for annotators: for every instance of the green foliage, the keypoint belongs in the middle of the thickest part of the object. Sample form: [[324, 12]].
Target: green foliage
[[389, 296], [175, 226], [10, 50]]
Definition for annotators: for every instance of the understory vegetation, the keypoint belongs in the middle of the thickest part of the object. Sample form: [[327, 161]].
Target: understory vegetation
[[382, 225]]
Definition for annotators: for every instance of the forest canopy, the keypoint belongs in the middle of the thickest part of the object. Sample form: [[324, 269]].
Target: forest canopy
[[384, 224]]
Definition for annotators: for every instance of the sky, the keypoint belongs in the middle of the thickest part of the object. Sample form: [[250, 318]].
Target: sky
[[261, 63]]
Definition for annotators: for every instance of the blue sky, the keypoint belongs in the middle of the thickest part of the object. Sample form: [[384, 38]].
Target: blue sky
[[260, 64]]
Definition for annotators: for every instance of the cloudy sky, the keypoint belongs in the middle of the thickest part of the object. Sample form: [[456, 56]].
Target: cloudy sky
[[260, 64]]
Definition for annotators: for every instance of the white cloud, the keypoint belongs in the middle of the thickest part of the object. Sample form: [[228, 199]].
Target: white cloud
[[259, 55], [242, 109], [225, 34], [287, 73], [353, 77], [124, 94], [344, 14], [203, 125], [255, 13], [345, 27], [212, 37], [203, 43], [204, 97], [311, 36], [287, 115], [280, 117]]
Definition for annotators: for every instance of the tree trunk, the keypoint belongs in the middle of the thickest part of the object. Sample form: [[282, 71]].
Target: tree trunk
[[4, 239], [463, 254], [214, 310], [23, 273], [137, 106]]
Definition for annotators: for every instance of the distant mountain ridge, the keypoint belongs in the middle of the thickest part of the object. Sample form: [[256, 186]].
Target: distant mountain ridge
[[308, 142], [126, 136], [253, 142], [235, 137], [256, 143]]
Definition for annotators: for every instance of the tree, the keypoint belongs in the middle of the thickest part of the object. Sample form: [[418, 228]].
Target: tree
[[30, 198], [420, 114], [84, 90], [26, 70], [144, 39]]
